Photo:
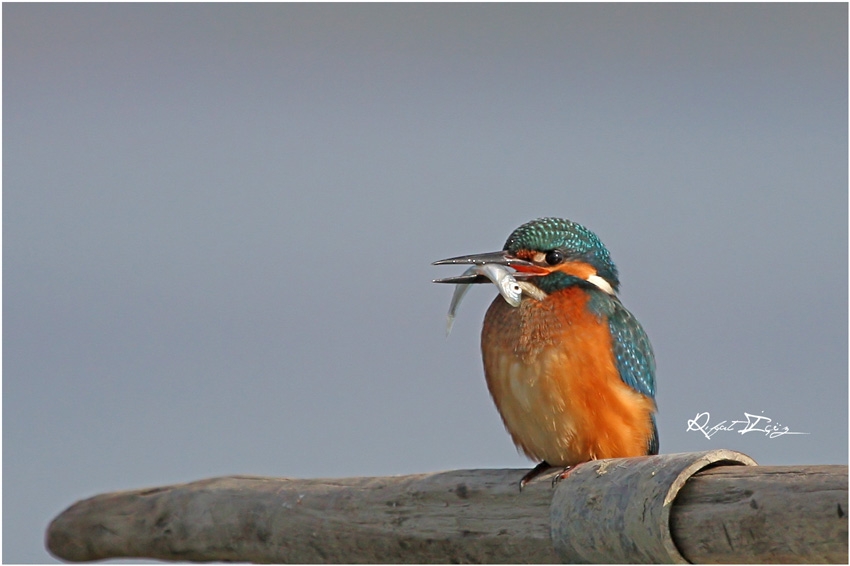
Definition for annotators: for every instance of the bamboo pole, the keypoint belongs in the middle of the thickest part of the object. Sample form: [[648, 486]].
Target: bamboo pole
[[618, 510], [722, 514], [702, 507]]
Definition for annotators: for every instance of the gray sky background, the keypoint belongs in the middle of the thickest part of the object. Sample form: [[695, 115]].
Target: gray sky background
[[219, 220]]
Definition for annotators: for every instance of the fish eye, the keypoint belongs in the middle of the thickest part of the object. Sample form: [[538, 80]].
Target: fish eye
[[554, 257]]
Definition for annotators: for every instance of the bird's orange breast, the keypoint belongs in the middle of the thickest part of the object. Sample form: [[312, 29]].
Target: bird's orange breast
[[551, 371]]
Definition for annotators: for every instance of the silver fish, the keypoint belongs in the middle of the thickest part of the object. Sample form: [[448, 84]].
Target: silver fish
[[501, 277]]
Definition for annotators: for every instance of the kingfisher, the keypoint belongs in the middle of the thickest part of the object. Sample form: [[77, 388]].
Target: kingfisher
[[570, 369]]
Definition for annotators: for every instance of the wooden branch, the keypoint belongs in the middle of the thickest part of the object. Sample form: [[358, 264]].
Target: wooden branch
[[768, 514], [723, 514], [459, 516]]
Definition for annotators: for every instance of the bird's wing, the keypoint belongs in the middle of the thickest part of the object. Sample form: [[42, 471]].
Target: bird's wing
[[632, 350], [634, 357], [652, 449]]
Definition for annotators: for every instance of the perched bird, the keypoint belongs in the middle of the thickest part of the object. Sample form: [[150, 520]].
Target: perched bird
[[571, 371]]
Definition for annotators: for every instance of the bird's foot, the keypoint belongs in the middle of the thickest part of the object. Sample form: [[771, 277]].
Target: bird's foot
[[539, 469], [564, 474]]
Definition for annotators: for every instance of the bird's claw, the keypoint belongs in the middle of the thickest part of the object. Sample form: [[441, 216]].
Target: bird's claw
[[562, 475], [544, 467], [537, 470]]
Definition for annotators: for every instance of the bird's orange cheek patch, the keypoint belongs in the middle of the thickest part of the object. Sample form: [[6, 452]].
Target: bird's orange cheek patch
[[578, 269]]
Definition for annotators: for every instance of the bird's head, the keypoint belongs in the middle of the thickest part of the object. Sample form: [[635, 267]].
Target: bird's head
[[553, 253]]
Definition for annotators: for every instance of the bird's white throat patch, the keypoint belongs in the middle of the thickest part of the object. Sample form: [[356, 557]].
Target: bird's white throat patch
[[601, 283]]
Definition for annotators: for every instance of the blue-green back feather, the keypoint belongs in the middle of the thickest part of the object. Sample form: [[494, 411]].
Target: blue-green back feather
[[632, 350], [635, 359]]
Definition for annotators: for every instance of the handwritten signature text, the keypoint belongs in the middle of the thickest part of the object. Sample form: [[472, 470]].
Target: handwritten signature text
[[753, 423]]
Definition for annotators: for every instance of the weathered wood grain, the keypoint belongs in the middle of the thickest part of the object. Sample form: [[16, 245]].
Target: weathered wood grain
[[465, 516], [765, 514], [728, 514], [617, 511]]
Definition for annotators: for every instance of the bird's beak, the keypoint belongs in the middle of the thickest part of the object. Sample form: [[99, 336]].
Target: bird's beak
[[501, 257], [525, 269]]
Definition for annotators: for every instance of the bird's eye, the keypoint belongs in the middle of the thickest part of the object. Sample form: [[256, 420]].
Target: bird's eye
[[554, 257]]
